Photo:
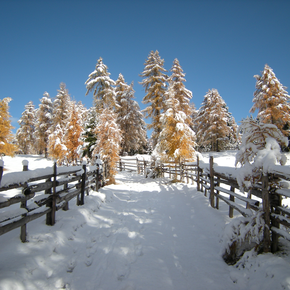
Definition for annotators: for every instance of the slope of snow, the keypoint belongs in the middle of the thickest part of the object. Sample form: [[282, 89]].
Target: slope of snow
[[137, 234]]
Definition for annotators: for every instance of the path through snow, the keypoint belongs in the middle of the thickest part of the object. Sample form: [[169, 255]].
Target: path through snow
[[148, 234]]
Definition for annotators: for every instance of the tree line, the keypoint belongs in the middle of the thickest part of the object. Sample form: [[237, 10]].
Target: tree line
[[66, 131]]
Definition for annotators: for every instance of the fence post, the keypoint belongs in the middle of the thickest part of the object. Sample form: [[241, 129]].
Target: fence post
[[66, 207], [198, 174], [211, 177], [1, 169], [50, 217], [83, 185], [97, 177], [266, 209], [138, 168], [276, 201], [23, 204], [232, 198]]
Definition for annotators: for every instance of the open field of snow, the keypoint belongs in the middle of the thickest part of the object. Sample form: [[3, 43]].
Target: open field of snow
[[138, 234]]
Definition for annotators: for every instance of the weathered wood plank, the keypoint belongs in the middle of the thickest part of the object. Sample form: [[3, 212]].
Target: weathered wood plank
[[245, 199], [244, 211]]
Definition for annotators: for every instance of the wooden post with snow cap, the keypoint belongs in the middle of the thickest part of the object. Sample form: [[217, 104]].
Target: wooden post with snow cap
[[23, 204], [211, 177]]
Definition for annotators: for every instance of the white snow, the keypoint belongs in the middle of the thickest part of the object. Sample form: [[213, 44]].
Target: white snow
[[138, 234]]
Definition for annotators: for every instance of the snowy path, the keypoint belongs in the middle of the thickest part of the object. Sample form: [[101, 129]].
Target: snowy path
[[149, 234]]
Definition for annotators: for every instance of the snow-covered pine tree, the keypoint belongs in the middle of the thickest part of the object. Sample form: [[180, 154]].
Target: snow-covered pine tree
[[6, 136], [260, 148], [154, 83], [89, 135], [73, 133], [25, 134], [61, 113], [129, 118], [213, 123], [102, 85], [272, 101], [183, 95], [108, 142], [176, 140], [43, 123]]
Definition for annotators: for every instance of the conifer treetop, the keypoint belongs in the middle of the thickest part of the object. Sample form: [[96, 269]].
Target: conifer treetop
[[271, 100], [100, 83]]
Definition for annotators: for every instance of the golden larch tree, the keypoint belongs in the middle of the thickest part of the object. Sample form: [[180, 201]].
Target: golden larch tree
[[176, 140], [6, 136], [73, 134], [108, 142]]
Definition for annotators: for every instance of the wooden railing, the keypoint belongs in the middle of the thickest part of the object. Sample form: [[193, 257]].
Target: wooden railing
[[43, 192], [220, 183]]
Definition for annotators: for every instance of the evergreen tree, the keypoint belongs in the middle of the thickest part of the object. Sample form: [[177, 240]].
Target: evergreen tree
[[25, 134], [43, 123], [176, 140], [129, 118], [214, 124], [259, 149], [272, 101], [101, 84], [6, 136], [180, 93], [154, 83], [61, 113], [89, 134], [73, 134], [108, 142]]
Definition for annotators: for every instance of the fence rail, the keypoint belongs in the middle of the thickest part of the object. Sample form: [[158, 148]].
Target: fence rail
[[217, 184], [43, 192]]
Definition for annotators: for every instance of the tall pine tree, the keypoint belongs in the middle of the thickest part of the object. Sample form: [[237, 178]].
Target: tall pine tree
[[213, 123], [100, 83], [43, 123], [61, 113], [129, 118], [272, 101], [89, 135], [179, 92], [154, 83], [25, 134]]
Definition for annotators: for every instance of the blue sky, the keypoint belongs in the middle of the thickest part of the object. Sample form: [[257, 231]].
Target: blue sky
[[220, 44]]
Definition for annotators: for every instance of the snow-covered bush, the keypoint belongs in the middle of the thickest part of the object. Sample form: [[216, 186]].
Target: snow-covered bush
[[259, 150], [241, 235]]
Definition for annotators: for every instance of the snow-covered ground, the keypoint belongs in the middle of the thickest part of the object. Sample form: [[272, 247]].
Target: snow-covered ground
[[138, 234]]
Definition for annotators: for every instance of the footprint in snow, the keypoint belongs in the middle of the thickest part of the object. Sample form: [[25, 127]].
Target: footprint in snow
[[71, 265], [89, 261]]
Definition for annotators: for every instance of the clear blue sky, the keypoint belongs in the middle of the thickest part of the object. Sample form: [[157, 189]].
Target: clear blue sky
[[219, 44]]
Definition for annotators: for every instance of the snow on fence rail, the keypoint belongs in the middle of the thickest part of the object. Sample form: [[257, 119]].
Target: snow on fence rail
[[43, 191], [221, 184]]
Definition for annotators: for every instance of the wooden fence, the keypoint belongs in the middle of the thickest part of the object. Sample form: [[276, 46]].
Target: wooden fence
[[219, 183], [43, 192]]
